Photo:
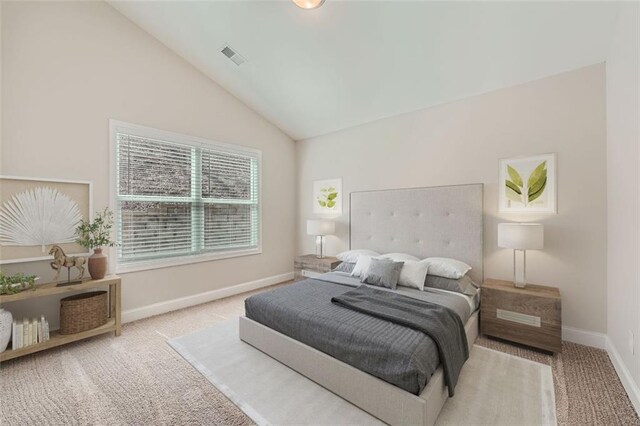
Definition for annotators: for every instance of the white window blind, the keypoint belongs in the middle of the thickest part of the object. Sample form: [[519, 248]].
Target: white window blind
[[180, 198]]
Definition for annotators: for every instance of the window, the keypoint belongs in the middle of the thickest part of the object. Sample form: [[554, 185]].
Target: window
[[180, 199]]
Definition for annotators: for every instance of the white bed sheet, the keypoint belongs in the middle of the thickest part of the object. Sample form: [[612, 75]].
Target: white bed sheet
[[473, 301]]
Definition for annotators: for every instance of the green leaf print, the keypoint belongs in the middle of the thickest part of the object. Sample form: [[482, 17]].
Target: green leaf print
[[515, 176]]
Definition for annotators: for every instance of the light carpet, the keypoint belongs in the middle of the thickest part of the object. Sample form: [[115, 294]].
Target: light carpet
[[494, 388]]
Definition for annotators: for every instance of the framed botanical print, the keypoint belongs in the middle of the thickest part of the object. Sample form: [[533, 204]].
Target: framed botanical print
[[327, 196], [528, 184]]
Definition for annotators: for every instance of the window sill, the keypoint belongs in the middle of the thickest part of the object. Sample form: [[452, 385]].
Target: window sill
[[187, 260]]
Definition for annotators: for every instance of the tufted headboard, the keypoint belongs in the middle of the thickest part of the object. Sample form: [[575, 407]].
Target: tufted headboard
[[442, 221]]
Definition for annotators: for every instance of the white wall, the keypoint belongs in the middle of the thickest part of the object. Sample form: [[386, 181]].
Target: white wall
[[68, 67], [461, 142], [623, 256]]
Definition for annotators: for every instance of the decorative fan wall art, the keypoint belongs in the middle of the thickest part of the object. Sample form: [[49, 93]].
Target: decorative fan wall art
[[40, 216], [35, 214]]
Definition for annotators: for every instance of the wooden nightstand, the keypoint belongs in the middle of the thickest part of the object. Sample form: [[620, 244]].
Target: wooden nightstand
[[310, 266], [530, 315]]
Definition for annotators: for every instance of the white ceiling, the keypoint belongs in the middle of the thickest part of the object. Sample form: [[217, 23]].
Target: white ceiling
[[312, 72]]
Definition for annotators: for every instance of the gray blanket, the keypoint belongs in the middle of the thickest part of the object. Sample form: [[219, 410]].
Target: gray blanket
[[441, 324]]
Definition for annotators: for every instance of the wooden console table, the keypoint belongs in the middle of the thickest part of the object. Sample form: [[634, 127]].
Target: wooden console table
[[113, 324]]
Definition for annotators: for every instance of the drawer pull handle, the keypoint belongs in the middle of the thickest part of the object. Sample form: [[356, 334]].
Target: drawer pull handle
[[518, 317]]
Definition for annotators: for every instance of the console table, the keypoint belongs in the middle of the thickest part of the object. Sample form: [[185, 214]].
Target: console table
[[113, 325]]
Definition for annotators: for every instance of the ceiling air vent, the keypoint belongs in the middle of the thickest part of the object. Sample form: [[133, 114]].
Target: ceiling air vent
[[235, 57]]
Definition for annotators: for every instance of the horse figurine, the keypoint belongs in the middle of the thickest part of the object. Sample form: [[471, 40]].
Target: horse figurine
[[62, 260]]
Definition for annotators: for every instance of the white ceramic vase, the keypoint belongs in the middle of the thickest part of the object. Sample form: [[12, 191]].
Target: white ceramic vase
[[6, 322]]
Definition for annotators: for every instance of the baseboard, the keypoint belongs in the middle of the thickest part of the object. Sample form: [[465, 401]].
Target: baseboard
[[196, 299], [625, 376], [584, 337]]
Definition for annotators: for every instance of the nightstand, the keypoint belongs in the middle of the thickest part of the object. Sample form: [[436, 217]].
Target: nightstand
[[310, 266], [530, 316]]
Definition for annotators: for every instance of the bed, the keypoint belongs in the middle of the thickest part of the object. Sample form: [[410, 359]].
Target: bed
[[391, 371]]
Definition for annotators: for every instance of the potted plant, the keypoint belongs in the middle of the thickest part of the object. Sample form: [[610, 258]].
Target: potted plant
[[11, 284], [96, 235]]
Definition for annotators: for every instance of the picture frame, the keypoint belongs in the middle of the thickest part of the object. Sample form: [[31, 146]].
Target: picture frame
[[528, 184], [327, 197], [71, 192]]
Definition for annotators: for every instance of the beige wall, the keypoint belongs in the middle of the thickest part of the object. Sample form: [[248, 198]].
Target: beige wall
[[461, 142], [67, 68], [623, 136]]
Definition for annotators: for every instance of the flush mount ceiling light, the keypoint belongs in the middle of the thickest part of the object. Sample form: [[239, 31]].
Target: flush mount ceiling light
[[308, 4]]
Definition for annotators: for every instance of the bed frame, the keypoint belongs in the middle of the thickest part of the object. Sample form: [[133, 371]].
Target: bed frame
[[445, 221]]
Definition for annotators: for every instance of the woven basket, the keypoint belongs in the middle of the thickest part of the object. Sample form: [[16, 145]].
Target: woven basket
[[83, 312]]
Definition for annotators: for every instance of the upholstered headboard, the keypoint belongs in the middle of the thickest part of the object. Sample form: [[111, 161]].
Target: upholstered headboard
[[443, 221]]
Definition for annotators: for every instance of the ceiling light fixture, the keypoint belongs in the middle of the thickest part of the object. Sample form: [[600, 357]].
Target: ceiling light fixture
[[308, 4]]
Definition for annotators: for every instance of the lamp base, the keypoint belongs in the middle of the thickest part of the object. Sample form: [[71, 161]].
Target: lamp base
[[319, 248], [520, 270]]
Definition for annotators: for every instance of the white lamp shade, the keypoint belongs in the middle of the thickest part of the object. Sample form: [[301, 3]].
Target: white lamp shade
[[320, 227], [521, 236]]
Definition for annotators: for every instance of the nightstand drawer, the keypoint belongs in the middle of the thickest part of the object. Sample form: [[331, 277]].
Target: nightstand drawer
[[311, 266], [547, 336], [318, 267], [548, 310]]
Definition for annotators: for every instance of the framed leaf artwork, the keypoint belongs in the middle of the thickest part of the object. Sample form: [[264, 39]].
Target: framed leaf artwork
[[528, 184], [327, 196]]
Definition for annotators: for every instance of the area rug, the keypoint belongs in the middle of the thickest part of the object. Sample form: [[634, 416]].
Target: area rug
[[494, 388]]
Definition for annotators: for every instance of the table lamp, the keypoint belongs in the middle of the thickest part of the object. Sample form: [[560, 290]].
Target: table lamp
[[520, 237], [320, 228]]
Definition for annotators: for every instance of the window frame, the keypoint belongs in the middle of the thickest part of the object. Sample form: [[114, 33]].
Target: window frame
[[116, 127]]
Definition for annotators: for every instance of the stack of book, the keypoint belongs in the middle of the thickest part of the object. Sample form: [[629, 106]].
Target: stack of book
[[29, 332]]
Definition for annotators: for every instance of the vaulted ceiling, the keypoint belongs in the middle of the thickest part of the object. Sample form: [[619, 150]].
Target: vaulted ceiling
[[312, 72]]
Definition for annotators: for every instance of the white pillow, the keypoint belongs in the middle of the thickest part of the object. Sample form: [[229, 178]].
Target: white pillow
[[363, 263], [413, 274], [351, 256], [400, 257], [448, 268]]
